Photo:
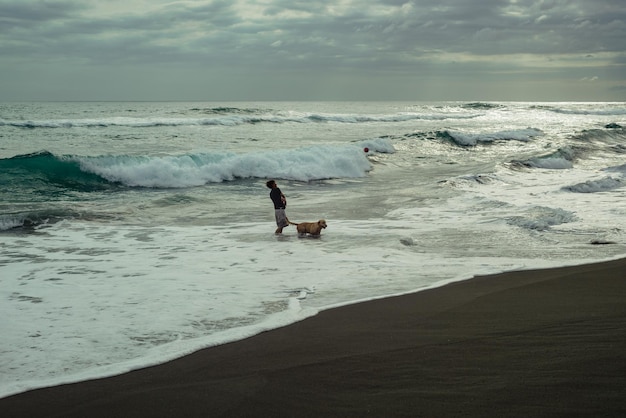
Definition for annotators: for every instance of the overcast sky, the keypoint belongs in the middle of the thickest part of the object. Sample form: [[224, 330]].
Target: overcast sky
[[548, 50]]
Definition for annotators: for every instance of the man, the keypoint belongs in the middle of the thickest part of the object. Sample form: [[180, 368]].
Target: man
[[280, 203]]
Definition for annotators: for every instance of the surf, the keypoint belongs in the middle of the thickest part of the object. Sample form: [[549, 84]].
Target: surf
[[44, 170], [229, 117]]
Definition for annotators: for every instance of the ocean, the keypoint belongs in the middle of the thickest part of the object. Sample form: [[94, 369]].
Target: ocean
[[135, 233]]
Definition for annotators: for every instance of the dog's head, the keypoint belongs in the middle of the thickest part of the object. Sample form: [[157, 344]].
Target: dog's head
[[322, 223]]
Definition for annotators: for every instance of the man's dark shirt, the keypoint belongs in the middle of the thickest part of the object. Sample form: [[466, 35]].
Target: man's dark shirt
[[276, 195]]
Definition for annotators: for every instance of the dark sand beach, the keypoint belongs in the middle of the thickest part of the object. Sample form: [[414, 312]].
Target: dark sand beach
[[541, 343]]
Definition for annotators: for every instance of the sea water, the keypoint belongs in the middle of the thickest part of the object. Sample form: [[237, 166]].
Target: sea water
[[135, 233]]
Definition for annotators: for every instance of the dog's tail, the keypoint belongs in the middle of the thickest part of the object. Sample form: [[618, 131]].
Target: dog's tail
[[292, 223]]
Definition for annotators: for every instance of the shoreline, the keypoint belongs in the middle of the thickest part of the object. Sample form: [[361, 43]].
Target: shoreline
[[543, 342], [228, 337]]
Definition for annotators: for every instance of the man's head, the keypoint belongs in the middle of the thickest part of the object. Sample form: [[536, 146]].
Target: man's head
[[271, 184]]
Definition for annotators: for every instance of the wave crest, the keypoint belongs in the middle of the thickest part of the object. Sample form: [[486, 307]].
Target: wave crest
[[35, 218], [595, 186], [226, 116], [95, 173], [472, 139], [559, 160]]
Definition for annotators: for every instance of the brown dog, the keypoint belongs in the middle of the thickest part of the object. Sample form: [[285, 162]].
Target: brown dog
[[313, 228]]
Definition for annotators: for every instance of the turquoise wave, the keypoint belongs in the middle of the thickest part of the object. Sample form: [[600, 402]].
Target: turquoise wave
[[48, 173]]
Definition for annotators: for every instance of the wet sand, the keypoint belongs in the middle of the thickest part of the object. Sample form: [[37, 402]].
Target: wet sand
[[541, 343]]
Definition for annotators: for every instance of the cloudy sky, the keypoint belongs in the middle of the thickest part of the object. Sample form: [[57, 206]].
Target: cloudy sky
[[548, 50]]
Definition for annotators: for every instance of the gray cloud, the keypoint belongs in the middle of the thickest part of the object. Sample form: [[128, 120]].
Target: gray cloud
[[18, 13], [252, 48]]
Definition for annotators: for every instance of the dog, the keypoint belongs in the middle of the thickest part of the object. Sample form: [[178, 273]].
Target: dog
[[313, 228]]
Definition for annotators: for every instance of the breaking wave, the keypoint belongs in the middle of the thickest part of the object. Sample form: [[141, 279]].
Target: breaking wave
[[84, 173], [595, 186], [559, 160], [472, 139], [226, 116]]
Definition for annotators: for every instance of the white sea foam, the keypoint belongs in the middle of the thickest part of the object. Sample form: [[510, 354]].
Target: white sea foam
[[585, 109], [10, 221], [553, 163], [472, 139], [233, 120], [111, 299], [303, 164]]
